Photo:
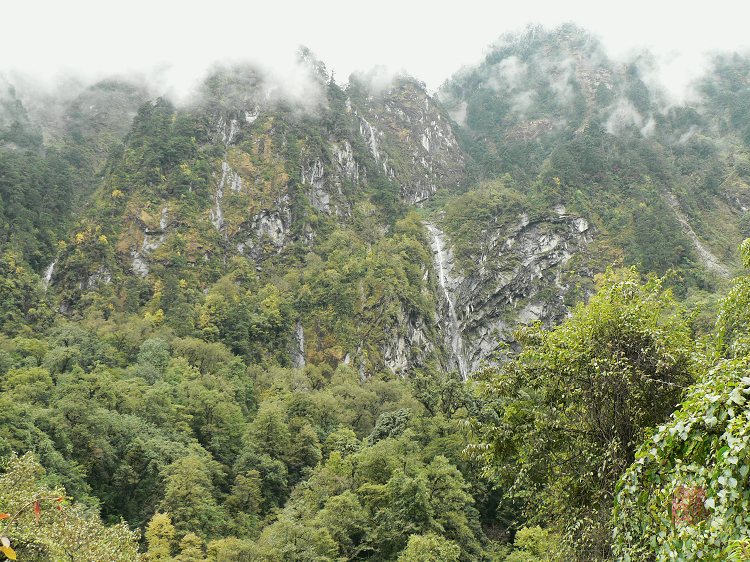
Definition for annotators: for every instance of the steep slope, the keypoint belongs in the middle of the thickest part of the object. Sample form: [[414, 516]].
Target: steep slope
[[601, 138], [284, 192], [252, 182], [50, 160], [505, 263], [248, 319]]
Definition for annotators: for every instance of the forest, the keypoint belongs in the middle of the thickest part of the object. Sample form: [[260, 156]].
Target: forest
[[233, 330]]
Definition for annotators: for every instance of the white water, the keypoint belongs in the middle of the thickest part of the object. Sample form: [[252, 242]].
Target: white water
[[48, 273], [230, 179], [298, 354], [370, 134], [217, 214], [452, 324]]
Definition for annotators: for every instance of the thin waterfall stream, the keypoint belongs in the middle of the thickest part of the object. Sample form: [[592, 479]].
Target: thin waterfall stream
[[443, 264], [48, 271]]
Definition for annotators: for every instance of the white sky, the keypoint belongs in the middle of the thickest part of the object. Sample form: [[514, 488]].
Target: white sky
[[430, 40]]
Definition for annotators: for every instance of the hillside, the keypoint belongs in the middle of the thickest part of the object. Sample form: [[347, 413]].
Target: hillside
[[319, 323]]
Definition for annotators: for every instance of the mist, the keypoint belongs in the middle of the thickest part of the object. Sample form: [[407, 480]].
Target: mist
[[57, 49]]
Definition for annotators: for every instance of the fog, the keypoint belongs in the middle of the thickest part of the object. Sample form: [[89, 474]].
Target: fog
[[171, 44]]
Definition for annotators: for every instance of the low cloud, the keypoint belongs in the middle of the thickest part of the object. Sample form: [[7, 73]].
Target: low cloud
[[523, 101], [298, 81], [561, 74], [671, 78], [378, 79], [459, 113], [509, 73], [623, 116]]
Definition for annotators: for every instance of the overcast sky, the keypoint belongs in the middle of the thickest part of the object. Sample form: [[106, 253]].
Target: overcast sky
[[430, 40]]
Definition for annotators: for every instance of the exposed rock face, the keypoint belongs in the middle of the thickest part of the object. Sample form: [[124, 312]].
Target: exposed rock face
[[528, 283], [101, 276], [298, 346], [407, 343], [231, 180], [448, 284], [326, 178], [520, 278], [152, 240], [266, 232], [708, 259], [314, 177], [225, 130], [523, 274], [411, 139], [348, 166]]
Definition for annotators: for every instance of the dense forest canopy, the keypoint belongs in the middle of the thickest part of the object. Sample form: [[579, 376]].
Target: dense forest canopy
[[508, 322]]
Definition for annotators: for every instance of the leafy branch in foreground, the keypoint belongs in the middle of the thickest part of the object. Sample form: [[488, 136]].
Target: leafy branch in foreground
[[39, 524], [688, 492], [564, 418]]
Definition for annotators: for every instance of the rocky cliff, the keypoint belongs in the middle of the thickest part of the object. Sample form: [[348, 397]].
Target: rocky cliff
[[358, 220], [527, 270]]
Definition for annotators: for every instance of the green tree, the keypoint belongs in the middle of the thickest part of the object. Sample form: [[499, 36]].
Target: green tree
[[430, 548], [343, 440], [160, 537], [389, 424], [565, 417], [40, 522], [346, 521], [687, 491], [22, 303], [534, 544], [292, 541], [232, 549], [244, 503], [269, 432], [190, 496], [191, 549]]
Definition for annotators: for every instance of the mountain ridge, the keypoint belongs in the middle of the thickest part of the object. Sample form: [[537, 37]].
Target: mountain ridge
[[273, 174], [322, 321]]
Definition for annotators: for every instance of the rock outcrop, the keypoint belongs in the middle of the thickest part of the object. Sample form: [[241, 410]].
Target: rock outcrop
[[522, 275], [411, 138]]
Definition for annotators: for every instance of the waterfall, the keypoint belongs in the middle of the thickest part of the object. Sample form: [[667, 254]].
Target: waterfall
[[298, 350], [48, 273], [370, 134], [217, 214], [443, 265]]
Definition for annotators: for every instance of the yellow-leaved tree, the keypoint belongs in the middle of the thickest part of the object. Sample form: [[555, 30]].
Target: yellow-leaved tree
[[40, 523]]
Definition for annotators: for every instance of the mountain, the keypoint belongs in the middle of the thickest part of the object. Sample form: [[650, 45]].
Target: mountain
[[275, 286], [50, 160], [567, 161], [563, 110], [243, 183]]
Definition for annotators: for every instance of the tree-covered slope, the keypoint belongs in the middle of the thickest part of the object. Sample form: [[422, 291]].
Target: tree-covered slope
[[258, 324], [276, 225], [603, 138], [50, 161]]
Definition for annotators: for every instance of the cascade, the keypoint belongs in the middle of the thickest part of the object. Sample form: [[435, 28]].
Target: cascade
[[443, 265], [48, 273], [298, 351], [217, 214]]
